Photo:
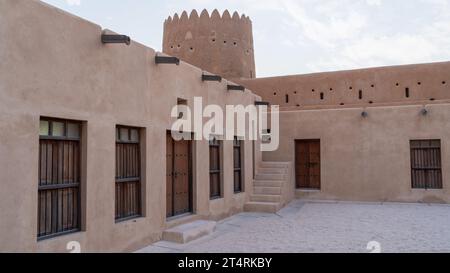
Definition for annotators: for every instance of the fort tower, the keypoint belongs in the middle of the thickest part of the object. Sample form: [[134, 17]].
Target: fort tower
[[222, 45]]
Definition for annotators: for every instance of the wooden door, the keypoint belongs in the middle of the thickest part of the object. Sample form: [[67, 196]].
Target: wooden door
[[178, 182], [307, 164]]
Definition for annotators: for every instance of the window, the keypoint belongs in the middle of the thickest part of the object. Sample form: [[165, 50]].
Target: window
[[128, 173], [181, 105], [426, 169], [237, 159], [215, 173], [59, 178], [266, 136], [253, 159]]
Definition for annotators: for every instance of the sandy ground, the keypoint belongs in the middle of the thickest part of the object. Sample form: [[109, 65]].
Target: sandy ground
[[327, 227]]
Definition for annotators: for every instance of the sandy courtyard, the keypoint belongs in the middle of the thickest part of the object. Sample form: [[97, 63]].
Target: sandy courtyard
[[327, 227]]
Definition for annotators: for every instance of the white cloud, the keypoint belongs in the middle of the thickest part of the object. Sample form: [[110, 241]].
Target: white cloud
[[373, 2], [344, 34], [324, 25], [397, 48], [301, 36], [73, 2], [311, 36]]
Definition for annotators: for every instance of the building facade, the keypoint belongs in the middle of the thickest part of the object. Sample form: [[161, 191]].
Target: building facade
[[86, 153], [381, 133], [377, 134]]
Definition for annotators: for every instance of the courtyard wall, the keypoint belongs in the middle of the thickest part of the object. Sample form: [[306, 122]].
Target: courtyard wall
[[53, 64]]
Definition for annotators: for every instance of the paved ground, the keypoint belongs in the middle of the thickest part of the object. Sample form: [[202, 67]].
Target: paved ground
[[328, 227]]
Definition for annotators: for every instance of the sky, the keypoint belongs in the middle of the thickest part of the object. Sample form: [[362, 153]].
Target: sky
[[299, 36]]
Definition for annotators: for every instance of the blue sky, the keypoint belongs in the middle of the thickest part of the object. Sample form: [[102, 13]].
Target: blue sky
[[299, 36]]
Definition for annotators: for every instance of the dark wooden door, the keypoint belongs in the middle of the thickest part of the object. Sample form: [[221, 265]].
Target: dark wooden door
[[307, 164], [178, 182]]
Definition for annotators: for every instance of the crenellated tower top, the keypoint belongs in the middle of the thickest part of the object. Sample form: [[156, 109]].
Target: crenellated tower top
[[220, 44], [215, 15]]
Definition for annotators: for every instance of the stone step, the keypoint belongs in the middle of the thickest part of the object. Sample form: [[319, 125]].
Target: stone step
[[307, 193], [270, 176], [267, 207], [265, 198], [267, 164], [268, 183], [181, 220], [267, 190], [272, 170], [188, 232]]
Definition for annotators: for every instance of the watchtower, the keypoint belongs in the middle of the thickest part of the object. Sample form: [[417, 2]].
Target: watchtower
[[222, 45]]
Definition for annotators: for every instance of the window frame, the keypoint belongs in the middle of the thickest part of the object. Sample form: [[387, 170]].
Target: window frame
[[217, 144], [49, 136], [60, 186], [124, 180], [421, 144], [238, 144]]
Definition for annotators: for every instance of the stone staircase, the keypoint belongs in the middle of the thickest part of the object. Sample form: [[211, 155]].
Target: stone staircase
[[191, 231], [268, 187]]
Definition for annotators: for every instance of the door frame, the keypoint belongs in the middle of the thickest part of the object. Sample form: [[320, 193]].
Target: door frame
[[296, 141], [190, 177]]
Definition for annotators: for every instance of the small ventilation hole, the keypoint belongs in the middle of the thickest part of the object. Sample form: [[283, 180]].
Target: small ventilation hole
[[287, 98], [342, 104], [275, 93], [397, 84], [407, 92], [313, 90], [419, 83], [322, 96], [350, 88], [235, 43], [373, 85], [444, 82], [432, 99], [371, 102], [213, 40], [360, 94], [331, 89]]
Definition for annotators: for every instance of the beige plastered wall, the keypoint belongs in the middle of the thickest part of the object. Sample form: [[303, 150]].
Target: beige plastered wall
[[340, 89], [363, 159], [368, 159], [53, 64]]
